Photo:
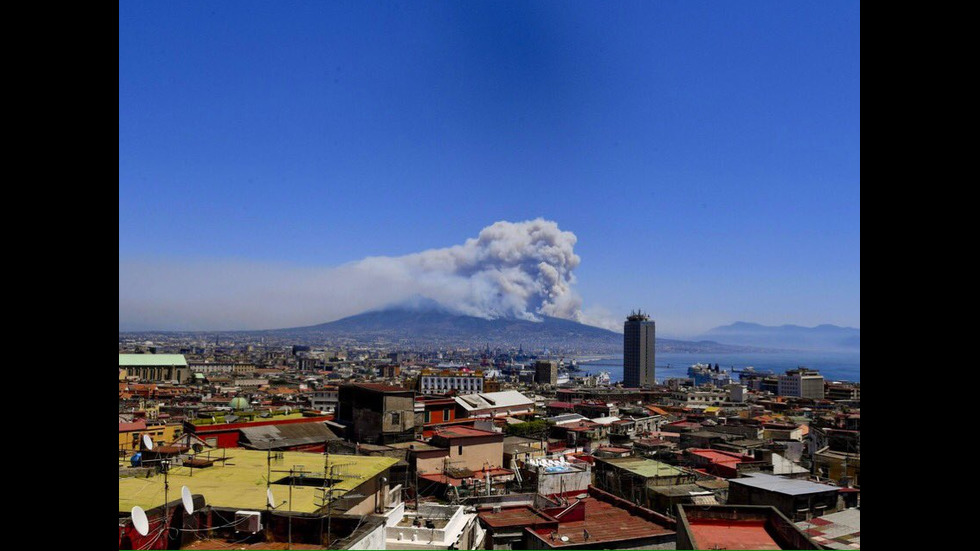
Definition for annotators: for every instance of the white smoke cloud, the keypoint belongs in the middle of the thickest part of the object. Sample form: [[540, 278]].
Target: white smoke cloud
[[511, 269]]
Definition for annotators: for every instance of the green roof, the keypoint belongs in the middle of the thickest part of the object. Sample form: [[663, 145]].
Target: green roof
[[646, 468], [165, 360], [250, 416], [240, 482]]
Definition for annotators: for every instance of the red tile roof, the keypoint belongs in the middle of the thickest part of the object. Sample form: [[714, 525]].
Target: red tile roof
[[129, 427]]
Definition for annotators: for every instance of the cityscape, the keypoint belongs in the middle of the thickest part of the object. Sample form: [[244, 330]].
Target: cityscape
[[489, 275], [333, 447]]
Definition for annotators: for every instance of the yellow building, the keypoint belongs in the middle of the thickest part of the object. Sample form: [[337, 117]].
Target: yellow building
[[130, 434]]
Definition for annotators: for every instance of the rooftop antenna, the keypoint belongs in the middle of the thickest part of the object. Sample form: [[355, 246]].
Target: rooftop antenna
[[185, 497]]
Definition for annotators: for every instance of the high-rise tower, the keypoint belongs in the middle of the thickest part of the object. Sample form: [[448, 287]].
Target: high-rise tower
[[639, 338]]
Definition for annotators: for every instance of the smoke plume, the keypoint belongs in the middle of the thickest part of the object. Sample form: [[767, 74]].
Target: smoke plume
[[511, 269]]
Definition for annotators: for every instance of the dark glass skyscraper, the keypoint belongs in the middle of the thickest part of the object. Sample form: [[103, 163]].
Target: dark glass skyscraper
[[639, 338]]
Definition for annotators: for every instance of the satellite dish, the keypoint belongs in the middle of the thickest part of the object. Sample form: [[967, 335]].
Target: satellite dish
[[581, 496], [140, 521], [147, 442], [564, 538], [185, 496], [269, 498]]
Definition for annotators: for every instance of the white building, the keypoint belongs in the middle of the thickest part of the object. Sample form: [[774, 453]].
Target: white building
[[432, 527], [325, 400], [706, 397], [443, 382], [801, 382], [737, 392], [495, 404]]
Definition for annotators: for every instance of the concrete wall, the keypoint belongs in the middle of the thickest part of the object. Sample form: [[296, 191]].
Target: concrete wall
[[553, 483], [375, 539], [431, 461], [475, 456]]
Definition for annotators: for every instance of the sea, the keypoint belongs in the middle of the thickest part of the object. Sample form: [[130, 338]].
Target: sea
[[834, 366]]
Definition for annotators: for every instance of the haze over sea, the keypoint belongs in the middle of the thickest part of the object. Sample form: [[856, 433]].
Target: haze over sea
[[834, 366]]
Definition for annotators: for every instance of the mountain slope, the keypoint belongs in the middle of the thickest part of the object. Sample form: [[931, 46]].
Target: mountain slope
[[432, 325], [822, 337]]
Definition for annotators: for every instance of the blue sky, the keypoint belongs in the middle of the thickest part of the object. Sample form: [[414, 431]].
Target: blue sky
[[706, 155]]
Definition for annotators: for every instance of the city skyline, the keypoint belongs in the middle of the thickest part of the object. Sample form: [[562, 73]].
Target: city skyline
[[705, 157]]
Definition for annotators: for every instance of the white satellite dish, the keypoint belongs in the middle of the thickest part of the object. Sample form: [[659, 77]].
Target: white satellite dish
[[269, 498], [140, 522], [564, 538], [185, 496], [147, 442], [581, 496]]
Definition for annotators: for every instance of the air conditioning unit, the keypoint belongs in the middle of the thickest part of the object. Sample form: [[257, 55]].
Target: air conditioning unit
[[248, 521]]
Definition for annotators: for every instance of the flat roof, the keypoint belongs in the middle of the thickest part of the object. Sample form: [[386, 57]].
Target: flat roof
[[782, 485], [514, 516], [414, 445], [165, 360], [731, 534], [489, 400], [646, 468], [720, 456], [240, 481], [465, 432], [605, 523]]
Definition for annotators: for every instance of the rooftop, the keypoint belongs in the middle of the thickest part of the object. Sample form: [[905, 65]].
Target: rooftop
[[381, 387], [490, 400], [731, 534], [137, 360], [240, 481], [782, 485], [267, 437], [841, 530], [739, 527], [514, 516], [646, 468], [605, 522], [719, 456], [566, 418], [464, 432]]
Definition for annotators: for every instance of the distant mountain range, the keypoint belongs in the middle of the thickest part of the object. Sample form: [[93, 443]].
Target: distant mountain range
[[429, 324], [794, 337]]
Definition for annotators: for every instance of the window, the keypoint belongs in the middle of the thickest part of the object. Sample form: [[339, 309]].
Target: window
[[446, 413], [460, 451], [396, 418], [428, 417]]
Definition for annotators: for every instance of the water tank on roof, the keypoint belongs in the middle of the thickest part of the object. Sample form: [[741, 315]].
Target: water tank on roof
[[136, 460]]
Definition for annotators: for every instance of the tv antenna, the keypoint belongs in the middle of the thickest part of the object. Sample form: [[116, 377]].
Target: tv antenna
[[140, 522]]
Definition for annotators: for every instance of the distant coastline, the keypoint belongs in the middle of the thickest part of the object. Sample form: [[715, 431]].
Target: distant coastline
[[834, 366]]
